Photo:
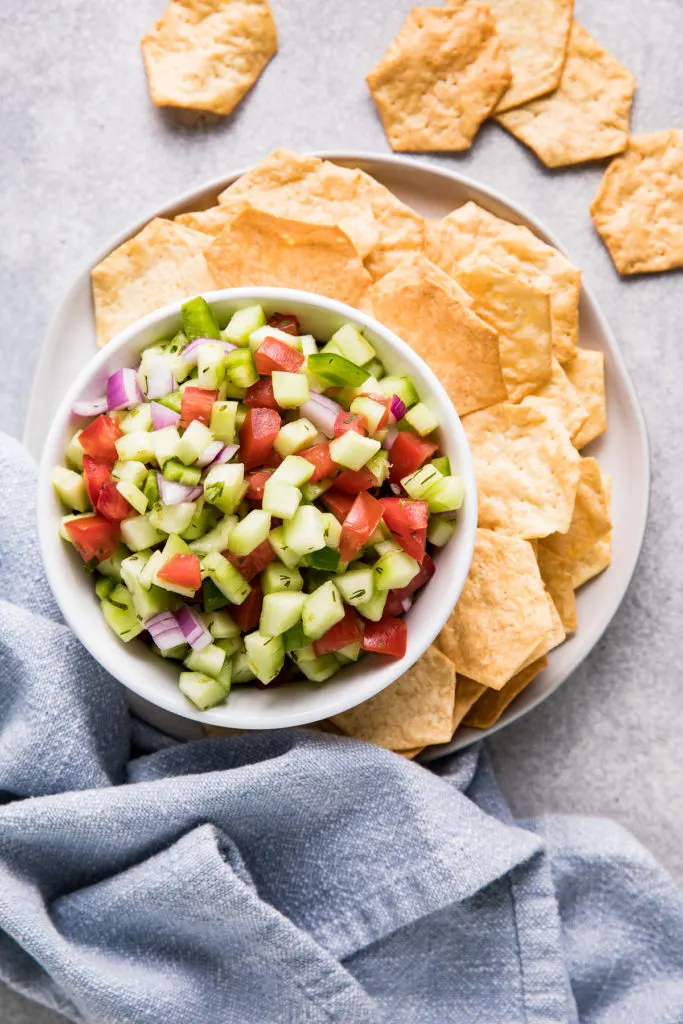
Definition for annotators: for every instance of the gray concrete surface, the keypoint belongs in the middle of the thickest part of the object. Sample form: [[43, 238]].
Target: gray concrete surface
[[83, 153]]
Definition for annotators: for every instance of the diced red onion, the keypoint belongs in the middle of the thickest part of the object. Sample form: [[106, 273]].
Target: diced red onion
[[123, 390], [195, 493], [90, 408], [210, 453], [193, 629], [160, 379], [398, 408], [165, 631], [225, 455], [392, 434], [322, 412], [406, 604], [173, 493], [189, 353], [163, 417], [395, 489]]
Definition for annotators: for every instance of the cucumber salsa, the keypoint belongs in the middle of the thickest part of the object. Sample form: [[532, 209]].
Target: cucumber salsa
[[255, 504]]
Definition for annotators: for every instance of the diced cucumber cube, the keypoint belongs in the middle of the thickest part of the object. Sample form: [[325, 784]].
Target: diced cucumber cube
[[380, 534], [312, 491], [305, 652], [149, 602], [172, 518], [349, 653], [352, 451], [150, 569], [447, 494], [309, 346], [443, 464], [305, 532], [209, 660], [203, 520], [401, 386], [175, 653], [230, 644], [353, 345], [385, 546], [241, 673], [261, 333], [173, 401], [138, 446], [241, 368], [224, 677], [201, 690], [374, 608], [293, 437], [149, 361], [440, 531], [281, 500], [104, 586], [221, 625], [285, 554], [295, 638], [74, 452], [281, 611], [290, 389], [240, 415], [332, 530], [421, 419], [422, 480], [198, 319], [322, 609], [325, 558], [133, 495], [111, 567], [293, 470], [120, 615], [224, 486], [226, 577], [265, 655], [332, 346], [138, 533], [139, 418], [70, 488], [356, 586], [223, 416], [165, 443], [320, 669], [373, 412], [242, 324], [379, 465], [394, 570], [136, 472], [278, 576], [175, 545], [249, 532], [151, 487], [216, 539], [193, 442], [376, 369], [211, 366], [176, 471], [213, 598]]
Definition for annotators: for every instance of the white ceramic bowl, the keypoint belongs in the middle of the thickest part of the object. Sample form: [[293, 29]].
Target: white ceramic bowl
[[248, 707]]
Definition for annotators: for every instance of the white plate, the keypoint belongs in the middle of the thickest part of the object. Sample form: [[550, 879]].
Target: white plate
[[623, 450]]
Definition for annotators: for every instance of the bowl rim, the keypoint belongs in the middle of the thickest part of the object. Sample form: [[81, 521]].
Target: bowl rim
[[110, 659]]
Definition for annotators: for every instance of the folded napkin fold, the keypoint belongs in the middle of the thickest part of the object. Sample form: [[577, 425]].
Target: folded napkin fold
[[289, 877]]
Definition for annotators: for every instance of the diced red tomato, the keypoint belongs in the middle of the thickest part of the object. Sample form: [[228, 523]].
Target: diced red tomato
[[407, 520], [277, 355], [94, 537], [338, 503], [359, 525], [182, 571], [348, 631], [257, 481], [319, 456], [111, 504], [247, 614], [353, 481], [394, 605], [255, 562], [286, 322], [261, 394], [407, 454], [99, 439], [272, 460], [388, 636], [347, 421], [257, 433], [96, 473], [196, 404]]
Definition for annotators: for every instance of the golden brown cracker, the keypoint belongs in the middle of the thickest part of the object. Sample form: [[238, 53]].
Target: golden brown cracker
[[594, 561], [586, 373], [561, 394], [638, 210], [557, 577], [441, 77], [493, 703], [590, 518], [586, 117]]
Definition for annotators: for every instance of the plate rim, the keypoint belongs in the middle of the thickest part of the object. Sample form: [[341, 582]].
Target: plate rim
[[405, 164]]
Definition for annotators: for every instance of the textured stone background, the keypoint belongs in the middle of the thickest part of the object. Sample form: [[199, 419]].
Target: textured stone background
[[84, 153]]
